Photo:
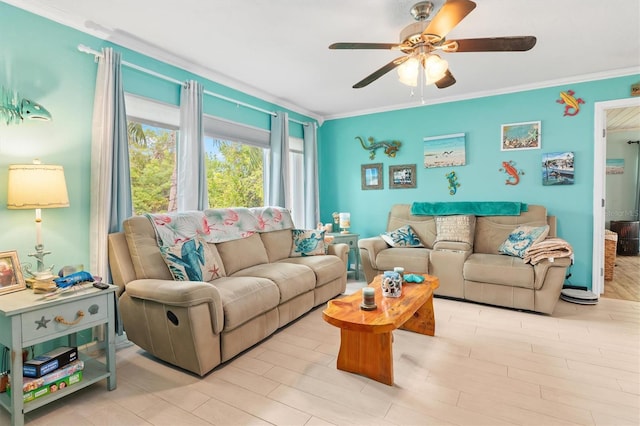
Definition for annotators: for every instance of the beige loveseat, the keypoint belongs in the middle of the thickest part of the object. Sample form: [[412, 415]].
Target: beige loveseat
[[474, 270], [258, 288]]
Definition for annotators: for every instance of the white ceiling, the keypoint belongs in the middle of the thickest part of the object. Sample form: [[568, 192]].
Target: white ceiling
[[278, 50]]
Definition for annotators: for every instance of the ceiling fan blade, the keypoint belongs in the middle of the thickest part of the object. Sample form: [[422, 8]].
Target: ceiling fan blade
[[446, 81], [364, 46], [380, 72], [496, 44], [450, 15]]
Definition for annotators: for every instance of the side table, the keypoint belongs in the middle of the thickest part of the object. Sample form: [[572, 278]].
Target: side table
[[352, 241], [27, 319]]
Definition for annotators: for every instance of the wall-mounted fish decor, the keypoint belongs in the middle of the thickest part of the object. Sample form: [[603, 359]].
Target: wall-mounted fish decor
[[390, 147], [14, 109]]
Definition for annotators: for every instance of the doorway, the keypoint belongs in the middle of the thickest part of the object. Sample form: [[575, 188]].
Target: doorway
[[599, 186]]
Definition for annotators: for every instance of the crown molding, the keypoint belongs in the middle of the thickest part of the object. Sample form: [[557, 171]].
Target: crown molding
[[158, 53], [486, 93]]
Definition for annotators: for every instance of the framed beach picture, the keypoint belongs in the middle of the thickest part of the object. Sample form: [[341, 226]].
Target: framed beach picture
[[444, 151], [403, 176], [10, 273], [558, 168], [371, 176], [520, 136], [615, 166]]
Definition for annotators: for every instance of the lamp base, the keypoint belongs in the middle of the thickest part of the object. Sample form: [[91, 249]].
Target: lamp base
[[344, 231]]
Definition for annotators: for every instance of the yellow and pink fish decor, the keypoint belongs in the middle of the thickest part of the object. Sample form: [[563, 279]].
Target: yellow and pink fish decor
[[570, 102]]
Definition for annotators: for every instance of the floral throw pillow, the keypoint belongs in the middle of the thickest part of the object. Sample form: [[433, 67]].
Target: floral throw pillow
[[522, 238], [307, 242], [192, 260], [404, 236]]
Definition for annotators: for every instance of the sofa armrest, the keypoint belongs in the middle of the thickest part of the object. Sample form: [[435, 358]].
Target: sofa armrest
[[370, 247], [182, 294], [541, 270], [341, 250]]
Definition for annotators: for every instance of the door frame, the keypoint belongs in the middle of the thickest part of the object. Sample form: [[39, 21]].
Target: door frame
[[599, 187]]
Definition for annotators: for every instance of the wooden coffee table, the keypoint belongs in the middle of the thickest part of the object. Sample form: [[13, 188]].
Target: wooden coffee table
[[366, 336]]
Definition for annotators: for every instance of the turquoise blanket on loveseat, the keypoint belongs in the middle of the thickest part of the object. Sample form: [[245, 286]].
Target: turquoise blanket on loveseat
[[477, 208]]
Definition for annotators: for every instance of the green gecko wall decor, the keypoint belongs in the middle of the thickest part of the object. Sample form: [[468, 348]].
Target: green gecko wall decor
[[390, 147]]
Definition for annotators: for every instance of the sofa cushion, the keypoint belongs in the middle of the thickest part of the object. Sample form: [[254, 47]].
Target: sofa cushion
[[193, 260], [456, 228], [307, 242], [291, 279], [277, 243], [425, 228], [498, 269], [244, 298], [143, 246], [404, 236], [521, 238], [414, 260], [326, 268], [242, 253], [491, 231]]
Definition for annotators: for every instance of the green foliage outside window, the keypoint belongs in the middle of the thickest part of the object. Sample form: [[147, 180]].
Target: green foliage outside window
[[234, 171]]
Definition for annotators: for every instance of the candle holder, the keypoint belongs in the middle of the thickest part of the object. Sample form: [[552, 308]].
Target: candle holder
[[368, 299]]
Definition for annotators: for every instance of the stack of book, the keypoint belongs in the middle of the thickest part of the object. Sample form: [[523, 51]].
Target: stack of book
[[50, 372]]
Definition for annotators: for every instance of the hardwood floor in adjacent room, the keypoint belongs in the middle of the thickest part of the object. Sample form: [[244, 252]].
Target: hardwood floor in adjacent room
[[626, 279], [484, 366]]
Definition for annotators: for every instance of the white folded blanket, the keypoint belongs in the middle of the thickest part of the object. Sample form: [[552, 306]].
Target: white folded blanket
[[547, 249]]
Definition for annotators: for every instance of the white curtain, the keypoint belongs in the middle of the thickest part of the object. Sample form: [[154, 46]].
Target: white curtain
[[279, 165], [110, 179], [311, 203], [191, 179]]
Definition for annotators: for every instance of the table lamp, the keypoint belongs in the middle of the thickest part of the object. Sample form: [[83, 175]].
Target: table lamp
[[37, 186], [345, 222]]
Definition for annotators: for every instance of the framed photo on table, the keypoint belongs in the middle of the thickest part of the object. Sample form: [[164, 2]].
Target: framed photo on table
[[10, 273]]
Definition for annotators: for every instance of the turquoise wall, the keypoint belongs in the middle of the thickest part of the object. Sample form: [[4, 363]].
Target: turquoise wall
[[43, 64], [480, 119]]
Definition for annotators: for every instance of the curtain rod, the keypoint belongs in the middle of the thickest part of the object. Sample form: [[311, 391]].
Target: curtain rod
[[88, 50]]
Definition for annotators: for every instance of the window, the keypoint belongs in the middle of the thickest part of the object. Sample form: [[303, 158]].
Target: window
[[236, 159], [234, 173], [152, 161], [153, 131]]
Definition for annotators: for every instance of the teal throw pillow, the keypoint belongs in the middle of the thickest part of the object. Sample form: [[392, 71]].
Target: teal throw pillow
[[522, 238], [404, 236], [307, 242], [192, 260]]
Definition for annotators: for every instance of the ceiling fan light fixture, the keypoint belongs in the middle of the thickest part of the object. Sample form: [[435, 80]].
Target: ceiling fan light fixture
[[435, 68], [408, 72]]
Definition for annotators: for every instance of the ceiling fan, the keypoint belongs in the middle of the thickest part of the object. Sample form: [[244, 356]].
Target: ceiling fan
[[420, 39]]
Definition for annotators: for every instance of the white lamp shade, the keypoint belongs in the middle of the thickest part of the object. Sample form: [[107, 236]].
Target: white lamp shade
[[435, 68], [36, 186], [345, 220], [408, 72]]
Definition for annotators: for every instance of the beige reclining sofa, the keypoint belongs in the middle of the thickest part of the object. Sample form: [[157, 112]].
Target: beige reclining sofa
[[253, 280], [466, 257]]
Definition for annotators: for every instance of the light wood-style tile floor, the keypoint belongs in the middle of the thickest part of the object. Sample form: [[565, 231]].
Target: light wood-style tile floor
[[484, 366]]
